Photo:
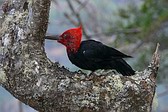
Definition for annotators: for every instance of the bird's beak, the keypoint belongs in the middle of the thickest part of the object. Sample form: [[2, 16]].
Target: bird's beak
[[59, 39], [52, 37]]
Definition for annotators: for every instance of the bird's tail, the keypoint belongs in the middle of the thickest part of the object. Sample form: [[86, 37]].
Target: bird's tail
[[124, 68]]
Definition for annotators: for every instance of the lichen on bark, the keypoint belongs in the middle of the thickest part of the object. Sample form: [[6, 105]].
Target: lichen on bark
[[2, 76], [32, 78]]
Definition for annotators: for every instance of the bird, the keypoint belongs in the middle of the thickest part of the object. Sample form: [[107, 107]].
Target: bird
[[93, 55]]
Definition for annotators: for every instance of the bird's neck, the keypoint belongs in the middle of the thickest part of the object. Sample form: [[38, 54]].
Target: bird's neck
[[73, 48]]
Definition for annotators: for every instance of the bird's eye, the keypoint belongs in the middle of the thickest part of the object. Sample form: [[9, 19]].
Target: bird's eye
[[65, 36]]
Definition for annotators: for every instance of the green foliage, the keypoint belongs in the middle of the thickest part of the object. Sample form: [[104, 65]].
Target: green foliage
[[150, 17]]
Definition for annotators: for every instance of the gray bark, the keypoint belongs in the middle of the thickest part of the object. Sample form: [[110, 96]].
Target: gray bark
[[31, 77]]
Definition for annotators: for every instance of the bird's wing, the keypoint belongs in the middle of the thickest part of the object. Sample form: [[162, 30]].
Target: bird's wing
[[117, 54], [97, 51]]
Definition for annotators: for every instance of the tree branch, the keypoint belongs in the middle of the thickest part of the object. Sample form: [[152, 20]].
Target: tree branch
[[31, 77]]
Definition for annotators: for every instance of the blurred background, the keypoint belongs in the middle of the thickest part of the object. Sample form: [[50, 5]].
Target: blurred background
[[132, 26]]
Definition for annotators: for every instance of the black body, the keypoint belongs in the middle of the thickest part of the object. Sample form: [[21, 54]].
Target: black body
[[93, 55]]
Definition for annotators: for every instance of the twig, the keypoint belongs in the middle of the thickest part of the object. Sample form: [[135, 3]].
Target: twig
[[77, 15], [70, 19], [156, 56], [128, 31], [155, 61], [71, 6], [82, 4]]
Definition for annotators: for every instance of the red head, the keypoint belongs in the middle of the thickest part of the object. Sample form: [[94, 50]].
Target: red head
[[71, 39]]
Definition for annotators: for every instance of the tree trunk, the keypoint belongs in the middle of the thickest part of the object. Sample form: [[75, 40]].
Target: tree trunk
[[31, 77]]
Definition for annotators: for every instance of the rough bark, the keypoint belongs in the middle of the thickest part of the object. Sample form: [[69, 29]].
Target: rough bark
[[31, 77]]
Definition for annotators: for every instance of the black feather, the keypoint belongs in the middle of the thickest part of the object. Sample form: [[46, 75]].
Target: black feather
[[93, 55]]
